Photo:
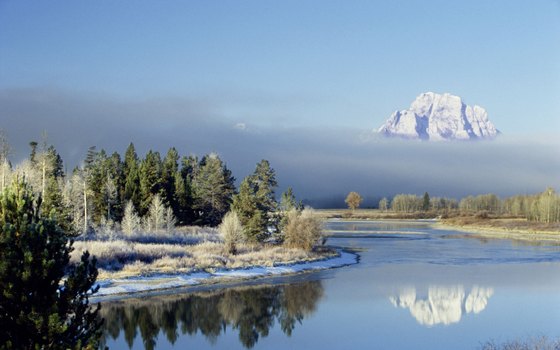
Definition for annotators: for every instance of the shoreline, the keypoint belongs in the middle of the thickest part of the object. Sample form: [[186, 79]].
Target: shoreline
[[501, 233], [473, 230], [132, 286]]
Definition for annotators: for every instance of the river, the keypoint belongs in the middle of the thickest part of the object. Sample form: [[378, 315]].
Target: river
[[415, 286]]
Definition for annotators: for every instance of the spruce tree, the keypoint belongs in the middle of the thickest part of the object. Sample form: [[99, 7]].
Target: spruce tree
[[213, 189], [170, 167], [131, 177], [426, 202], [150, 180], [36, 311], [256, 202], [246, 206]]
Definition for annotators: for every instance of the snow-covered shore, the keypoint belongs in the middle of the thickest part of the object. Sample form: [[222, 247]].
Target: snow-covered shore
[[132, 285]]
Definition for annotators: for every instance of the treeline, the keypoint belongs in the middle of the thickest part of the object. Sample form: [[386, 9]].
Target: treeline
[[542, 207], [130, 193]]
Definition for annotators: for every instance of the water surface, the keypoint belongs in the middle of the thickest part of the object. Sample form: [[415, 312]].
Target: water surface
[[415, 287]]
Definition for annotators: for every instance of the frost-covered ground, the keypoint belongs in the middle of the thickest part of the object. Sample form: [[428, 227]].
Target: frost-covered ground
[[166, 281]]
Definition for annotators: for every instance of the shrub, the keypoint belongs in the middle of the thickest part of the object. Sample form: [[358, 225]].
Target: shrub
[[231, 231], [303, 230], [37, 310]]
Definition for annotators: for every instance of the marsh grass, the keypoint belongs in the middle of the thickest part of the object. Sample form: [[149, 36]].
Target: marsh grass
[[125, 258]]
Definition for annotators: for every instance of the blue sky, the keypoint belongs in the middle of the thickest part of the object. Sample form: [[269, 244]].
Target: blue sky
[[309, 79], [294, 63]]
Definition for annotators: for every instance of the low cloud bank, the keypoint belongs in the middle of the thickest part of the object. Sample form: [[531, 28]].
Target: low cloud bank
[[321, 164]]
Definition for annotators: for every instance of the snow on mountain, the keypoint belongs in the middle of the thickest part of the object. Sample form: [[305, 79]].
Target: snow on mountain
[[440, 117]]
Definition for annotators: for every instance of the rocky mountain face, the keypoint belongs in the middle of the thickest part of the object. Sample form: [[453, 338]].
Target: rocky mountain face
[[440, 117]]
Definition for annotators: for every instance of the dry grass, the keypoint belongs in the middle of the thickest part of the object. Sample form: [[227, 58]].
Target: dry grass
[[520, 225], [120, 258], [370, 214]]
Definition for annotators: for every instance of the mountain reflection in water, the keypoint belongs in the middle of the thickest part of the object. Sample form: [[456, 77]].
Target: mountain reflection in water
[[443, 305], [252, 311]]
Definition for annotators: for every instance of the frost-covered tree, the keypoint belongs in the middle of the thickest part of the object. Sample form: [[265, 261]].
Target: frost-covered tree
[[5, 167], [353, 200], [231, 231], [170, 220], [154, 221], [383, 204], [130, 224], [76, 198]]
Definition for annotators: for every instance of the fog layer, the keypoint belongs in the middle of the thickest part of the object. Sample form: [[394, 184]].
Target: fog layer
[[322, 164]]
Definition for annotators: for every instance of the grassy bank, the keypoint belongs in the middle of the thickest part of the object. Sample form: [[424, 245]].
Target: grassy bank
[[500, 227], [192, 249], [371, 214], [482, 225]]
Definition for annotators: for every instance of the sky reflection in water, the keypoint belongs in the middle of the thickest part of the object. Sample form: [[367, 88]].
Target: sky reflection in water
[[428, 289]]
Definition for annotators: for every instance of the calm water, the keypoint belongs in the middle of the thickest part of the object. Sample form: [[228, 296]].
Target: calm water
[[428, 289]]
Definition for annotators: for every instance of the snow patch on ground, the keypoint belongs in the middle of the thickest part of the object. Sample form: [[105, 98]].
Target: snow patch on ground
[[167, 281]]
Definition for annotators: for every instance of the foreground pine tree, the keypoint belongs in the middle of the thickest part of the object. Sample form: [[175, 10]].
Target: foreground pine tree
[[37, 311]]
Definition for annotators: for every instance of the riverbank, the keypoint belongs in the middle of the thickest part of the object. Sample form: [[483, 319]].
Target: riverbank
[[488, 227], [159, 281], [503, 228]]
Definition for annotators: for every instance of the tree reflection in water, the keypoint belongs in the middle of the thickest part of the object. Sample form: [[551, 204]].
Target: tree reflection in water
[[252, 311]]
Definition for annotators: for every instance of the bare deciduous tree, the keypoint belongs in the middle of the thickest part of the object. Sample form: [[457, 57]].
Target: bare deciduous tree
[[353, 200]]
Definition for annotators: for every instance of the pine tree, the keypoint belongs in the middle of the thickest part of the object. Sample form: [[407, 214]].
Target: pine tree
[[131, 177], [426, 202], [213, 188], [246, 206], [170, 167], [264, 181], [150, 180], [36, 310]]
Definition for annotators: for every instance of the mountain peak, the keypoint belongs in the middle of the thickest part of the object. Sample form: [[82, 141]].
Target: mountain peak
[[434, 116]]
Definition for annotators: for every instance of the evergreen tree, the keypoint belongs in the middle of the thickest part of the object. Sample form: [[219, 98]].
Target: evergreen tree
[[150, 180], [256, 202], [170, 168], [426, 202], [131, 177], [246, 206], [181, 199], [264, 182], [36, 311], [213, 189], [96, 174], [114, 187]]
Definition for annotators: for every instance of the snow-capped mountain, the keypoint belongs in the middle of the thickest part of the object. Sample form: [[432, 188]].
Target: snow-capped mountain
[[440, 117]]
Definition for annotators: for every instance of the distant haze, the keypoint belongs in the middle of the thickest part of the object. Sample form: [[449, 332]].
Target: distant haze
[[321, 164]]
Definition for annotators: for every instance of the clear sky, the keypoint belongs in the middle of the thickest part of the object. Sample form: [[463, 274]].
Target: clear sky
[[286, 63], [301, 83]]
